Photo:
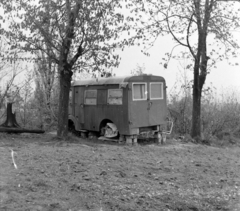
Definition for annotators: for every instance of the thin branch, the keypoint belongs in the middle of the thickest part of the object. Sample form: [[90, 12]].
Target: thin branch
[[175, 38], [188, 32]]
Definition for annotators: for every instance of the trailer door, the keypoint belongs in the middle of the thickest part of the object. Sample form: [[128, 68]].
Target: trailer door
[[148, 106], [139, 105], [156, 103]]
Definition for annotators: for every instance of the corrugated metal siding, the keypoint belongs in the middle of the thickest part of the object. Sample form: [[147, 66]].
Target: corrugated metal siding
[[94, 114]]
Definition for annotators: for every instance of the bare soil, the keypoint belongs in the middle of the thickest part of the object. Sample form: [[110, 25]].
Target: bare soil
[[81, 174]]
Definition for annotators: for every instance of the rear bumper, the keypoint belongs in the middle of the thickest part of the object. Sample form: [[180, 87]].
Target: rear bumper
[[145, 130]]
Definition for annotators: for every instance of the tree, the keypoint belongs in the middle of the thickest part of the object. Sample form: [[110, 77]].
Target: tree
[[75, 34], [46, 83], [9, 70], [196, 25], [46, 74]]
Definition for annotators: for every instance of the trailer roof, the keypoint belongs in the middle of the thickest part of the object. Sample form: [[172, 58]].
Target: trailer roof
[[115, 80]]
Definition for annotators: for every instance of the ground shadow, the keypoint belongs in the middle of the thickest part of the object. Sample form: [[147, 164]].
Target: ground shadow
[[51, 139]]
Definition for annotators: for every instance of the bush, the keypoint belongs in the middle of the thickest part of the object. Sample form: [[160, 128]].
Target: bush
[[220, 115]]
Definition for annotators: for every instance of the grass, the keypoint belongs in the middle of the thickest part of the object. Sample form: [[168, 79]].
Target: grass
[[82, 174]]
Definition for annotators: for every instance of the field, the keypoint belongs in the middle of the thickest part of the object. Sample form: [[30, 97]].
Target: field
[[81, 175]]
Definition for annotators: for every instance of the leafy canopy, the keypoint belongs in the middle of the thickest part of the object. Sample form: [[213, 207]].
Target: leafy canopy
[[183, 19], [81, 31]]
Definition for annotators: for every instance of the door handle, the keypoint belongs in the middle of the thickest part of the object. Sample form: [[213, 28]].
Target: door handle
[[149, 105]]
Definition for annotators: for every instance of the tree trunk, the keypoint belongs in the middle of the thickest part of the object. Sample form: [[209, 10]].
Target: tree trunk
[[196, 110], [200, 72], [65, 84], [196, 113]]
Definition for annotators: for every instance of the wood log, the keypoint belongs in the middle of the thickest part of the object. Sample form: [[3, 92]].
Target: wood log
[[19, 130]]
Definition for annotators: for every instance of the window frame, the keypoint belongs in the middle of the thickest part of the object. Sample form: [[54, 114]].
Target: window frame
[[85, 94], [108, 97], [150, 87], [146, 90]]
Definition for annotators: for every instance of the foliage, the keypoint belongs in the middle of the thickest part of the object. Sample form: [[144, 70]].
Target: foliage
[[9, 73], [139, 70], [196, 25], [220, 115], [179, 102], [31, 109], [151, 19], [76, 35], [46, 91], [84, 28]]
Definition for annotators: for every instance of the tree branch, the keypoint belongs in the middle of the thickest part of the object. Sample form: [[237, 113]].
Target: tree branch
[[77, 55]]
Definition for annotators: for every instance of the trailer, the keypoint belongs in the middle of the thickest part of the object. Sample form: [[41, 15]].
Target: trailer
[[123, 107]]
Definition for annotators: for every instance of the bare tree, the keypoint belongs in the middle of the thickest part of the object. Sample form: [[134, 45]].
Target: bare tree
[[138, 70]]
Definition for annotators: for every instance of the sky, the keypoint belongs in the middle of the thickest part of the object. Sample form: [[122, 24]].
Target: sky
[[224, 78]]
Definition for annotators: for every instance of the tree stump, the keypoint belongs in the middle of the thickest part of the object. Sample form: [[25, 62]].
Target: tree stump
[[11, 125], [11, 118]]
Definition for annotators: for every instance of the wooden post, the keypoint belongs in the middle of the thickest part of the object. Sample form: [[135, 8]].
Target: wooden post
[[129, 140]]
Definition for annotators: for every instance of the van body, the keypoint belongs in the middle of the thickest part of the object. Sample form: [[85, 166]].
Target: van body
[[135, 104]]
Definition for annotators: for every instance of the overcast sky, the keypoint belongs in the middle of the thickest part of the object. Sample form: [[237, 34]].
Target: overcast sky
[[223, 77]]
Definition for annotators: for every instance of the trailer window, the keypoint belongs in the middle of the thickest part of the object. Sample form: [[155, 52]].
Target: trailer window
[[156, 91], [139, 91], [115, 96], [90, 97]]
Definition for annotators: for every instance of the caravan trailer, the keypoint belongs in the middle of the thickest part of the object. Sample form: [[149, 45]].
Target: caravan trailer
[[130, 106]]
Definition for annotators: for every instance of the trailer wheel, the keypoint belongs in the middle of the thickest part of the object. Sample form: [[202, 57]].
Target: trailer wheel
[[71, 126]]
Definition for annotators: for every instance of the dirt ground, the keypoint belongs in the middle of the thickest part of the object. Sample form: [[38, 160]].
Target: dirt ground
[[81, 175]]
